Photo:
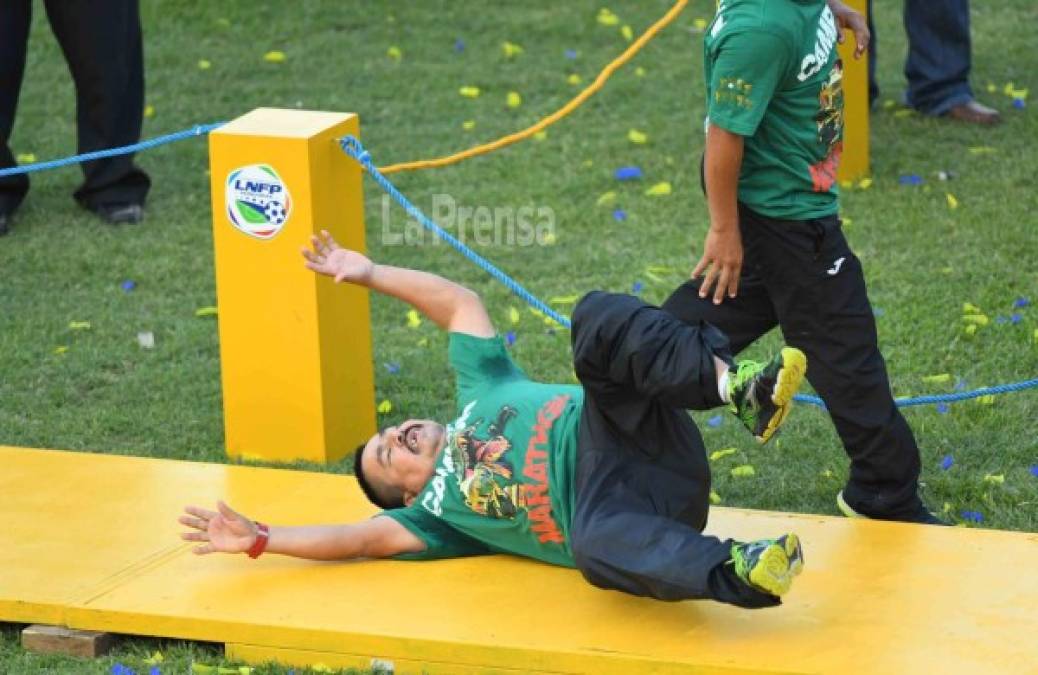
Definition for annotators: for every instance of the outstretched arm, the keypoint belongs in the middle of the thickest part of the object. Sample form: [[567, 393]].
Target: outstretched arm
[[227, 531], [449, 305]]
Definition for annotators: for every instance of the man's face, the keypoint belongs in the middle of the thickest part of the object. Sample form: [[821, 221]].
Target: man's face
[[404, 456]]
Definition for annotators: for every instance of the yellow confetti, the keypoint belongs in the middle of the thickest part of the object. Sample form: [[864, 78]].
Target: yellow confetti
[[588, 163], [953, 203], [904, 112], [995, 478], [274, 56], [947, 270], [204, 64], [202, 669], [978, 319], [970, 308], [948, 506], [149, 111], [513, 315], [79, 325], [864, 183], [606, 198], [394, 53], [423, 342], [514, 100], [468, 125], [510, 49], [847, 184], [1036, 335], [414, 320], [607, 18], [549, 239], [889, 103], [826, 473], [320, 668], [1008, 88], [540, 135], [991, 88], [227, 671], [659, 190], [26, 158], [627, 32], [970, 329], [205, 311], [700, 24], [154, 659], [469, 92], [846, 223], [982, 150], [715, 498], [60, 350], [744, 471], [564, 299], [637, 137], [385, 407], [245, 670], [1020, 94], [718, 454], [937, 379], [639, 71], [574, 79], [986, 400]]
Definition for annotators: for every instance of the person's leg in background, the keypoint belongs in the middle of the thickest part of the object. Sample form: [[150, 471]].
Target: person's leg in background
[[15, 18], [102, 43]]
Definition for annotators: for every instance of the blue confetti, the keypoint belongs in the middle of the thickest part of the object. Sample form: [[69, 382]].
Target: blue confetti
[[973, 516], [1016, 318], [715, 421], [1034, 470], [628, 173], [1019, 103], [154, 670], [120, 669], [637, 287], [128, 285], [392, 368], [943, 408], [510, 338], [961, 384], [1021, 303], [910, 179], [571, 54], [1001, 319], [947, 462], [459, 45], [619, 215]]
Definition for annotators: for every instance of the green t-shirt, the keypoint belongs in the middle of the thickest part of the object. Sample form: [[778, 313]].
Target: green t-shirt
[[504, 481], [773, 76]]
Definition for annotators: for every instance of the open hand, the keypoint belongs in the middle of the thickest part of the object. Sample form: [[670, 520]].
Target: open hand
[[225, 531], [849, 18], [722, 263], [332, 260]]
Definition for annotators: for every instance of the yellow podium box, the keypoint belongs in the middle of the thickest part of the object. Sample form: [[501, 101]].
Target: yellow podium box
[[854, 163], [295, 348]]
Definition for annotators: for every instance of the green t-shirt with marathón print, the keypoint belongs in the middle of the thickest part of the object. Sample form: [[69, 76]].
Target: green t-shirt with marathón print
[[504, 481], [773, 76]]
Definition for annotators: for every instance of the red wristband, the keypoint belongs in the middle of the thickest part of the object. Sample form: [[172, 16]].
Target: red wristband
[[262, 537]]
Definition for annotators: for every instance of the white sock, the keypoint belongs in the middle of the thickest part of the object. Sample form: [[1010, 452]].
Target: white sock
[[722, 379]]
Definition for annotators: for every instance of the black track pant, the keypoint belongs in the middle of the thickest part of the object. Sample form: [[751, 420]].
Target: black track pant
[[643, 480], [803, 277], [101, 40]]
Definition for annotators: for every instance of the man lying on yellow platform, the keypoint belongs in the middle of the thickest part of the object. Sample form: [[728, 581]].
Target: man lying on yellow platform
[[610, 477]]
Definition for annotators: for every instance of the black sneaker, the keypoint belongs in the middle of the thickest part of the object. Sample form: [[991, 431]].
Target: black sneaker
[[120, 213], [5, 224], [917, 513]]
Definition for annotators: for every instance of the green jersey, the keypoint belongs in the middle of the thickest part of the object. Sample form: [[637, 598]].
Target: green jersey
[[504, 481], [774, 77]]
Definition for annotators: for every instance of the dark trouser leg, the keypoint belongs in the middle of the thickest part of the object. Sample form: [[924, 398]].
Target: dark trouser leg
[[938, 65], [15, 17], [643, 481], [101, 40]]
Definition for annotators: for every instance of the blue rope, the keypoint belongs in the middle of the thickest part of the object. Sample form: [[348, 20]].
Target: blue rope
[[352, 147], [196, 130]]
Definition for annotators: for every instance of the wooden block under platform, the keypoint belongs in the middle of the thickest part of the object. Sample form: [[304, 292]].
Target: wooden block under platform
[[68, 641]]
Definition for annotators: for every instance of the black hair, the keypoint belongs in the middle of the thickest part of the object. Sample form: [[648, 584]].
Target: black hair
[[369, 491]]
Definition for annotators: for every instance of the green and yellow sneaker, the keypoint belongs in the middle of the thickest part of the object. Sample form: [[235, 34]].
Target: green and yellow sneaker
[[769, 565], [761, 394]]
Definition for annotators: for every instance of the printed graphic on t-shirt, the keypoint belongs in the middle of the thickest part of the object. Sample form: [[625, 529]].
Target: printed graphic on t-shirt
[[487, 476], [830, 129]]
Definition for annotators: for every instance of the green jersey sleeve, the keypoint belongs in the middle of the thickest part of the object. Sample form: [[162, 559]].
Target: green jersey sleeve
[[441, 540], [478, 362], [748, 67]]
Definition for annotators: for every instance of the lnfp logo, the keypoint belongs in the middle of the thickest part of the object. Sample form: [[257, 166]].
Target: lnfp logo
[[257, 201]]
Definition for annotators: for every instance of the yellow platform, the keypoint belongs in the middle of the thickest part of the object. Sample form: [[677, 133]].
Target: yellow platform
[[90, 542]]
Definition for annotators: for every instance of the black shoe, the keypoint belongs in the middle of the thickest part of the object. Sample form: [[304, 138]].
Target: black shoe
[[5, 224], [915, 513], [120, 213]]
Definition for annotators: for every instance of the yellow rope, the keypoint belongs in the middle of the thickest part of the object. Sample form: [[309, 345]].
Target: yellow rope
[[626, 56]]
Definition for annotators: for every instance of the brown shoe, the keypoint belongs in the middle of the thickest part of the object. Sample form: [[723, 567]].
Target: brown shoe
[[975, 113]]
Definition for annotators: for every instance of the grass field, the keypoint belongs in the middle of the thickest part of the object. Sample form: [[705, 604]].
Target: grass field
[[923, 259]]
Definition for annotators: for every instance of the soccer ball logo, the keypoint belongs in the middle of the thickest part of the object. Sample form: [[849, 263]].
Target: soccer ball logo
[[257, 201], [275, 212]]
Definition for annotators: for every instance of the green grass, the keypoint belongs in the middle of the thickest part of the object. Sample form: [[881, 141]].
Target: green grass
[[922, 259]]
